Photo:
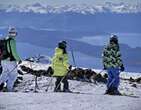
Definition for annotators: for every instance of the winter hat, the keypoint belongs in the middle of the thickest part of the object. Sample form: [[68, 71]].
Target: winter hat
[[114, 39], [62, 44], [12, 32]]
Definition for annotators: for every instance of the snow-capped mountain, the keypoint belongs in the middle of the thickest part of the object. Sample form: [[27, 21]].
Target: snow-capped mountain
[[83, 8]]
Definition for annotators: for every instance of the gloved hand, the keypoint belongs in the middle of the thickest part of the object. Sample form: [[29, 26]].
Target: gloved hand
[[104, 68], [122, 68], [20, 62], [50, 71], [70, 67]]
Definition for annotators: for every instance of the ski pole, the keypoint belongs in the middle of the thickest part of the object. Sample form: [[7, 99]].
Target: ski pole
[[49, 84], [36, 85], [72, 54], [101, 71], [12, 69], [73, 58], [60, 82], [36, 80], [62, 79], [49, 71]]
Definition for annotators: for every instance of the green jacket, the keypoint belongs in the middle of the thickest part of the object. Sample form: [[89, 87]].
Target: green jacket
[[60, 63], [112, 56], [11, 48]]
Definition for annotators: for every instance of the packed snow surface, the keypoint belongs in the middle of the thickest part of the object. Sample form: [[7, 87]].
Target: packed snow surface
[[91, 95], [90, 98]]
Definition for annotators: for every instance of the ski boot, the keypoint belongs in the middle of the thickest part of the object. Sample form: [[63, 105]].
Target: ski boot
[[116, 92], [1, 87], [57, 90], [109, 91], [66, 90], [112, 91]]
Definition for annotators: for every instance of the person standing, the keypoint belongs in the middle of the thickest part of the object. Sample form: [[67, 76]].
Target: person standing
[[9, 60], [60, 66], [112, 62]]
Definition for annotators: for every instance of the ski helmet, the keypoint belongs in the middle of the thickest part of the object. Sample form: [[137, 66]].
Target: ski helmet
[[12, 32], [114, 39], [62, 44]]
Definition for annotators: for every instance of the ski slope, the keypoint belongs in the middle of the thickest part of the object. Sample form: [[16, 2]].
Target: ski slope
[[63, 101], [90, 98]]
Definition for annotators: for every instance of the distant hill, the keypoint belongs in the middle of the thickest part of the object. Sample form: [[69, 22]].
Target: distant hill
[[98, 23]]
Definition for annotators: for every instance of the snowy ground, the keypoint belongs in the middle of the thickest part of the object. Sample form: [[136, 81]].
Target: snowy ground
[[91, 97], [61, 101]]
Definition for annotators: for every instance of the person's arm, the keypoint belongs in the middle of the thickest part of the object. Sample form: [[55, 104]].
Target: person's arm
[[119, 61], [66, 61], [13, 50], [104, 58], [53, 61]]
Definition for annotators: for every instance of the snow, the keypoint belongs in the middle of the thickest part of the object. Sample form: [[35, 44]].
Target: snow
[[124, 75], [90, 98], [35, 66], [61, 101], [83, 8]]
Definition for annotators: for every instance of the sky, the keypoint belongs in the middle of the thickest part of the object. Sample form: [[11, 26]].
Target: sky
[[62, 2]]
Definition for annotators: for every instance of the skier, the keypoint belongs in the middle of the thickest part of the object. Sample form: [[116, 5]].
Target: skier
[[1, 85], [60, 66], [113, 64], [9, 61]]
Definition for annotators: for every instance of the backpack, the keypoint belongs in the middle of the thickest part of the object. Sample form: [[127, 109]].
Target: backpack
[[4, 54]]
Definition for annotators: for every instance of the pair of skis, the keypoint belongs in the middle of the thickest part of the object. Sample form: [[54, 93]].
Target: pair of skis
[[125, 94]]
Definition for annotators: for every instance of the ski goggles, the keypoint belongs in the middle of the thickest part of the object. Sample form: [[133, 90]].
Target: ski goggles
[[12, 33]]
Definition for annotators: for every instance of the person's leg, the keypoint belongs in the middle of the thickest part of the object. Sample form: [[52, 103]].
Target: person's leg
[[117, 78], [57, 84], [66, 85], [109, 82], [12, 76], [110, 77], [3, 78], [116, 81], [1, 69], [4, 75]]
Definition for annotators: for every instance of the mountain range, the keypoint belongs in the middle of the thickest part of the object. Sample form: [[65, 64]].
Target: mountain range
[[82, 8]]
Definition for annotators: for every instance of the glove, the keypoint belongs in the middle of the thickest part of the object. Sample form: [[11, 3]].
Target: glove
[[122, 68], [20, 62], [70, 67], [50, 71], [104, 68]]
